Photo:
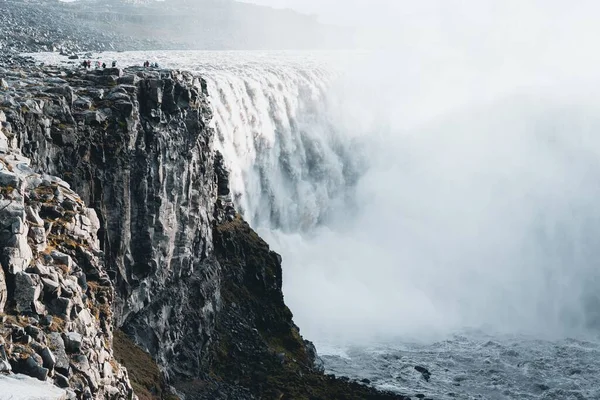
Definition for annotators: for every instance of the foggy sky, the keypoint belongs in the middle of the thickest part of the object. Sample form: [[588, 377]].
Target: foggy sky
[[347, 12]]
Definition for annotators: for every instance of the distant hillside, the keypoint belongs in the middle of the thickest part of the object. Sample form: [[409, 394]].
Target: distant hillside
[[180, 24]]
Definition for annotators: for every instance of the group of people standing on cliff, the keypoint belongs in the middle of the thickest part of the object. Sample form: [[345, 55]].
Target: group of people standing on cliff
[[148, 64], [87, 64]]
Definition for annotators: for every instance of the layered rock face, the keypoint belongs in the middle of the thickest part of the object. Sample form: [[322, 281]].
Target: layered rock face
[[55, 294], [136, 148]]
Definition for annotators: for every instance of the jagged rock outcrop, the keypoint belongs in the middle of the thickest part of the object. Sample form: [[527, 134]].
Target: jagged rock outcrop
[[135, 146], [55, 295], [197, 294], [259, 352]]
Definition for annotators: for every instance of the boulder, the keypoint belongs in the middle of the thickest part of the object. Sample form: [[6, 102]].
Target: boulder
[[30, 366], [17, 257], [28, 288], [424, 372], [46, 320], [51, 287], [37, 234], [33, 216], [62, 307], [61, 380], [35, 333], [81, 363], [4, 364], [62, 258], [48, 358], [34, 369], [57, 344], [73, 342]]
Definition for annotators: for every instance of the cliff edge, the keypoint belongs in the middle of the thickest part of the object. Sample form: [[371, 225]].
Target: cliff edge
[[159, 286]]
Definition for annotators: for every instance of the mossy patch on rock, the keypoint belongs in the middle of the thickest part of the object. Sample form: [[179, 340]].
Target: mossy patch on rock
[[259, 352], [144, 374]]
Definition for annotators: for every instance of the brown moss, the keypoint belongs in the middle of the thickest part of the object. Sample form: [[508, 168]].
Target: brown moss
[[98, 302], [144, 374], [114, 364], [230, 225], [58, 324], [44, 190], [14, 320], [6, 190], [93, 286], [250, 303]]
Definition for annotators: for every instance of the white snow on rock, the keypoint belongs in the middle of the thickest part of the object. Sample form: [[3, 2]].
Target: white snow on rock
[[22, 387]]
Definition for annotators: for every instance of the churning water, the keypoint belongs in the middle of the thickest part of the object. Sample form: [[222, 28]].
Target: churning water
[[428, 212]]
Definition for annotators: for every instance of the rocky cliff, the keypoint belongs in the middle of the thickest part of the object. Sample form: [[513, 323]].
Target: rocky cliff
[[55, 295], [161, 256]]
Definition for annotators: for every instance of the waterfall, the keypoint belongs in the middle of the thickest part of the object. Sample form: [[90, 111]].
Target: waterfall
[[479, 216], [409, 200], [290, 165]]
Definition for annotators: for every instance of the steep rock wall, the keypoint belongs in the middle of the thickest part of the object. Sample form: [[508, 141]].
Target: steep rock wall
[[135, 146], [56, 321]]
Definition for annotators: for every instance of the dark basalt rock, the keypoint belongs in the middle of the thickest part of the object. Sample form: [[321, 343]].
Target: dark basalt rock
[[424, 372], [258, 350]]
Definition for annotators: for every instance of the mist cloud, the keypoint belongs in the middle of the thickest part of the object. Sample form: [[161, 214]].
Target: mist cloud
[[478, 207]]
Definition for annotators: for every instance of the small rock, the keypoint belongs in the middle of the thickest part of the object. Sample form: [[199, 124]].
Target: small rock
[[62, 360], [61, 380], [3, 290], [424, 371], [49, 361], [72, 342], [46, 320], [35, 332], [281, 357], [62, 306]]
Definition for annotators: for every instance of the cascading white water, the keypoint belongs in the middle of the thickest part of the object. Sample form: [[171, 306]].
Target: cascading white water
[[290, 166], [482, 218]]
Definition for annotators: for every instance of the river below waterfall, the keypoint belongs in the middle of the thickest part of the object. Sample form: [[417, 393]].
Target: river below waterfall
[[477, 366]]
